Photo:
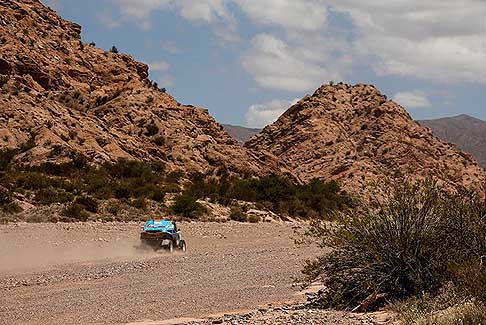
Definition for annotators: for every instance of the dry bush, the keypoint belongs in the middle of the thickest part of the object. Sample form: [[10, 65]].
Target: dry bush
[[412, 241]]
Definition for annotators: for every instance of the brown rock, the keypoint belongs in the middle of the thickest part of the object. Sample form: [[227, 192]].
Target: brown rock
[[354, 135], [69, 97]]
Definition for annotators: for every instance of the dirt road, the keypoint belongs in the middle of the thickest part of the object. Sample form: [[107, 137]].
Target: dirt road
[[91, 273]]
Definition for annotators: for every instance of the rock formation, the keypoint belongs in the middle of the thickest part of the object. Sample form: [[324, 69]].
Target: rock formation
[[60, 97], [353, 134]]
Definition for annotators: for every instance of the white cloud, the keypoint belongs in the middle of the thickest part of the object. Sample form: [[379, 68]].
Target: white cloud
[[440, 40], [410, 38], [160, 72], [159, 66], [300, 47], [303, 15], [275, 64], [412, 99], [206, 11], [106, 18], [140, 9], [54, 4], [260, 115], [171, 47], [165, 80]]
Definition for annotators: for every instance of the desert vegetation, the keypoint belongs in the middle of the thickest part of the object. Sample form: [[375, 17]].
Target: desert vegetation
[[316, 200], [81, 188], [411, 244]]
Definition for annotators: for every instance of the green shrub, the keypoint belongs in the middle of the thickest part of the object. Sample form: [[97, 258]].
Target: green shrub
[[237, 214], [406, 245], [124, 168], [122, 190], [34, 181], [7, 203], [151, 129], [12, 208], [187, 206], [254, 219], [139, 203], [76, 212], [159, 140], [277, 193], [88, 202], [6, 157], [51, 195], [5, 196]]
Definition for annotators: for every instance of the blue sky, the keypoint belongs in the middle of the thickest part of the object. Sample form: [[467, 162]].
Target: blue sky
[[248, 60]]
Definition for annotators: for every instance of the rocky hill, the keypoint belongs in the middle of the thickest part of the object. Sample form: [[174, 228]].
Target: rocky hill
[[353, 134], [467, 132], [240, 133], [60, 97]]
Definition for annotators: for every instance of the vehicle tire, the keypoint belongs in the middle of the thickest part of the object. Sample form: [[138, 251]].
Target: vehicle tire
[[182, 246], [170, 247]]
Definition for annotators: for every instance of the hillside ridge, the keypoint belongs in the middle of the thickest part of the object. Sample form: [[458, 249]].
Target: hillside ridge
[[62, 97], [355, 135]]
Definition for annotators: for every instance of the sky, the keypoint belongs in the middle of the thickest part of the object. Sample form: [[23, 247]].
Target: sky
[[247, 61]]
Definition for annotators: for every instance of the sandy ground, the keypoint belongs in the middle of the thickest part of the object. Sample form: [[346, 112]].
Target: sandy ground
[[91, 273]]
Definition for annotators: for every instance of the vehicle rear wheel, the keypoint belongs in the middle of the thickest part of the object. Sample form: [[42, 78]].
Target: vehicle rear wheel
[[183, 246], [170, 247]]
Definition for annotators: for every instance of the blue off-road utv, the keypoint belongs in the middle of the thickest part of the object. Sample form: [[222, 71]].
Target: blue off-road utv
[[162, 234]]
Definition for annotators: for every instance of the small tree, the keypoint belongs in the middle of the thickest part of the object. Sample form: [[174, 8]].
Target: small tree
[[187, 206], [114, 49]]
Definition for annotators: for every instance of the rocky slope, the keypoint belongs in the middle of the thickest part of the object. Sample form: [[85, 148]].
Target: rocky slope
[[60, 97], [467, 132], [353, 134], [240, 133]]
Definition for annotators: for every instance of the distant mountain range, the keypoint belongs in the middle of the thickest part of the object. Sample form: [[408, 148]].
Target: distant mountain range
[[240, 133], [467, 132]]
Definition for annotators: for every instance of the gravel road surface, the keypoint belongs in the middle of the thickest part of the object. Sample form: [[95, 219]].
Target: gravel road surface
[[91, 272]]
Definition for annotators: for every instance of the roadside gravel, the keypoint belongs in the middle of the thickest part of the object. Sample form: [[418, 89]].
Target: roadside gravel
[[91, 272]]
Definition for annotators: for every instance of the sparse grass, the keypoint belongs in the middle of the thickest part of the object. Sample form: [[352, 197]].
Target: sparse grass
[[449, 307], [467, 314]]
